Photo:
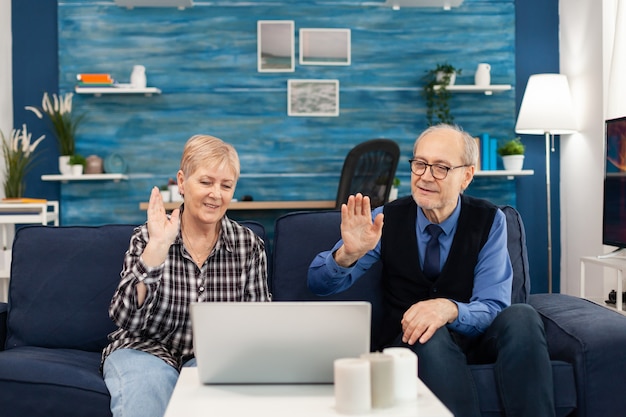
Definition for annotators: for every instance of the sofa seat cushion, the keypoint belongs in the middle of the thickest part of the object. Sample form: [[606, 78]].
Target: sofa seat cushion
[[564, 389], [52, 382]]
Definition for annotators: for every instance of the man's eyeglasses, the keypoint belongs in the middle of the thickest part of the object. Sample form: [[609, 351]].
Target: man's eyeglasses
[[438, 171]]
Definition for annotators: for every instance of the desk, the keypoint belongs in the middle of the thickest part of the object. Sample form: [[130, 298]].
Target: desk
[[190, 399], [21, 213], [617, 263], [263, 205]]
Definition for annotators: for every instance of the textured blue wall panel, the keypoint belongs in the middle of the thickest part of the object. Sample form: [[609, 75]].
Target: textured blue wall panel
[[204, 59]]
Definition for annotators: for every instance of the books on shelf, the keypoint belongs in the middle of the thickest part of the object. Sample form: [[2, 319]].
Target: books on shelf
[[488, 152]]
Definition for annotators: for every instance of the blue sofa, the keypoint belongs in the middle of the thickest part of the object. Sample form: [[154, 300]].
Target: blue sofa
[[587, 342], [55, 324]]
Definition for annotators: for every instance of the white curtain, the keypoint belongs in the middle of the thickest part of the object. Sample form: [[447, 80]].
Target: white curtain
[[616, 97]]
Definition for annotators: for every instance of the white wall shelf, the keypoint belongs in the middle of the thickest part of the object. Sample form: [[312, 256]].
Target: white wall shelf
[[85, 177], [503, 173], [486, 89], [98, 91], [445, 4]]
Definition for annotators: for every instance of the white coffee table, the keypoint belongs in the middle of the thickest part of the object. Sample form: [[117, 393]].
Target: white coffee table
[[191, 398]]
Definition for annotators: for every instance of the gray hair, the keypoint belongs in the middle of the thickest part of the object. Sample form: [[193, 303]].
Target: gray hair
[[470, 154]]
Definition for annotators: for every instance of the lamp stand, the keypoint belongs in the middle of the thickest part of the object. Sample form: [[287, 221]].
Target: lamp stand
[[548, 205]]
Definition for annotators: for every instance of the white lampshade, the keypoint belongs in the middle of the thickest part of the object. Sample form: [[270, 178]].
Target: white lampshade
[[546, 106]]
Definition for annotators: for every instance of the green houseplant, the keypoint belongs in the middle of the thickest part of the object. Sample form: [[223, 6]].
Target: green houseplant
[[437, 94], [512, 153], [58, 111], [512, 147], [77, 164], [19, 156]]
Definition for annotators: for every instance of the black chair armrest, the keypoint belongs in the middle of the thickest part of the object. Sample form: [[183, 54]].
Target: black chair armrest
[[593, 339], [4, 307]]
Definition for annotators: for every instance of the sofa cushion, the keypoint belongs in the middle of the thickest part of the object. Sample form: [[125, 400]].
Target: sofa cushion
[[298, 238], [52, 382], [62, 280], [516, 244]]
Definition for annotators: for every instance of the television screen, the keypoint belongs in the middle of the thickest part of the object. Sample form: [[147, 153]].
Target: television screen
[[614, 210]]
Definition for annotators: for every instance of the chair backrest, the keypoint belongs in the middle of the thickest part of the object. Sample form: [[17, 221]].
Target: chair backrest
[[369, 169]]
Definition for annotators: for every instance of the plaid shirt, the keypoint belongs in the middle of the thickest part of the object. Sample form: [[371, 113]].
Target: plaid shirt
[[236, 270]]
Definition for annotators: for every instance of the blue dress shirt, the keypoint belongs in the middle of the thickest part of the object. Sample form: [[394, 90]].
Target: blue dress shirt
[[493, 274]]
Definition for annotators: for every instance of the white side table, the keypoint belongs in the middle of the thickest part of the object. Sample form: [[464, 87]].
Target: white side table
[[21, 213], [616, 263], [191, 398]]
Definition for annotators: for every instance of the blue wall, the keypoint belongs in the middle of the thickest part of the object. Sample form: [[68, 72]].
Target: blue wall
[[204, 61]]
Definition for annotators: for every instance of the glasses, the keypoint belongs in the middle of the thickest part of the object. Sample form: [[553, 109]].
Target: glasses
[[438, 171]]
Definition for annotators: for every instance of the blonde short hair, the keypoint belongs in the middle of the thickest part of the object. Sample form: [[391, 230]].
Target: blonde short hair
[[208, 150]]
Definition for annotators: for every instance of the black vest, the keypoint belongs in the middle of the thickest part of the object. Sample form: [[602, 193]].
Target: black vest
[[403, 279]]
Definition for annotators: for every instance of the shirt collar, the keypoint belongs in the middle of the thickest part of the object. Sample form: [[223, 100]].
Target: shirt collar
[[447, 225], [226, 237]]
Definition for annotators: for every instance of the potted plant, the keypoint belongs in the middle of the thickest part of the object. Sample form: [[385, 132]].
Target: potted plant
[[19, 156], [64, 124], [77, 164], [437, 94], [512, 153]]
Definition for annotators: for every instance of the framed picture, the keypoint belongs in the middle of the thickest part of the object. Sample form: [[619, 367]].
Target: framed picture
[[325, 47], [275, 46], [318, 98]]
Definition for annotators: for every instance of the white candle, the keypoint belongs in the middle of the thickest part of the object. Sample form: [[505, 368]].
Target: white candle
[[381, 379], [352, 386], [404, 372]]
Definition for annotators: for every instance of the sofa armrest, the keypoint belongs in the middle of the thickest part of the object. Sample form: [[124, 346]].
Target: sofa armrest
[[593, 339], [4, 307]]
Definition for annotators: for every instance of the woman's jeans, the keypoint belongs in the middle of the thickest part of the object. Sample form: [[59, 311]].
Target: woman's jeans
[[140, 384], [515, 341]]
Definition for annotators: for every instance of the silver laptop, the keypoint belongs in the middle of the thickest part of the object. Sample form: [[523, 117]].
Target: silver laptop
[[277, 342]]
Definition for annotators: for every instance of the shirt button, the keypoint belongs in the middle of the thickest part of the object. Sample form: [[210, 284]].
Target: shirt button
[[434, 289], [201, 289]]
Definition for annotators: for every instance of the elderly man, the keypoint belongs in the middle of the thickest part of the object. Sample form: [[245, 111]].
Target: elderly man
[[447, 281]]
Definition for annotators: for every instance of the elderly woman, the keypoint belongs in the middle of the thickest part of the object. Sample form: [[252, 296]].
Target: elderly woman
[[195, 254]]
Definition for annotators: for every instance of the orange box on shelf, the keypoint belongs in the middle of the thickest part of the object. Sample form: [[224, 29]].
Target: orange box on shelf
[[95, 78]]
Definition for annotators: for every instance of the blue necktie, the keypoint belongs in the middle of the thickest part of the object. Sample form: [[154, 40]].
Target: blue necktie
[[431, 256]]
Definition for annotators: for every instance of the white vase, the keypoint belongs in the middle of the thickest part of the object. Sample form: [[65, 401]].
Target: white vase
[[441, 74], [138, 77], [165, 195], [393, 194], [482, 77], [513, 162], [174, 194], [76, 170], [64, 165]]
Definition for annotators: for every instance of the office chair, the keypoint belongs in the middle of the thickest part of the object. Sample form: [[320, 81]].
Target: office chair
[[369, 169]]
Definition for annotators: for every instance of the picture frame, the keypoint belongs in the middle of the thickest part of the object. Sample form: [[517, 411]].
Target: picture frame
[[313, 98], [275, 46], [325, 46]]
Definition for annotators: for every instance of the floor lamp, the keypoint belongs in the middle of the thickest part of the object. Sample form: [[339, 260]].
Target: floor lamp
[[547, 110]]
